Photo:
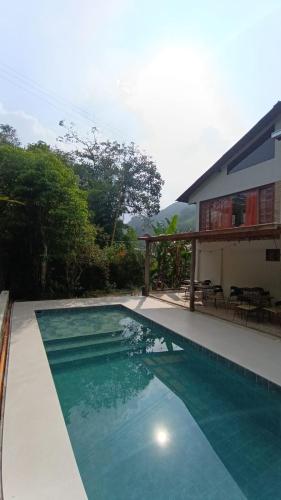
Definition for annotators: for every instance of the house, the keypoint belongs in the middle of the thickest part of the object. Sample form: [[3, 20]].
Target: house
[[242, 190]]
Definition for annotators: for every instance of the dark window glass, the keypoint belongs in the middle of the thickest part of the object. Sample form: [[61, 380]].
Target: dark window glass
[[262, 151], [272, 254], [238, 209]]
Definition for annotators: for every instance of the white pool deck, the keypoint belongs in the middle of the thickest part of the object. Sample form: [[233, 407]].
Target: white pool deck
[[37, 458]]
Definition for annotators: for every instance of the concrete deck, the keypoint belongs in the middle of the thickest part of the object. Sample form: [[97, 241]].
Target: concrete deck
[[37, 459], [221, 312]]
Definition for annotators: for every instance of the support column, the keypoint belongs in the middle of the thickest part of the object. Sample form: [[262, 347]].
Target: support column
[[147, 268], [192, 274], [198, 259], [221, 268]]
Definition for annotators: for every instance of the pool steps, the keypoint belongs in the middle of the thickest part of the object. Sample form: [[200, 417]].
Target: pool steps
[[69, 350], [78, 356], [93, 347], [65, 342]]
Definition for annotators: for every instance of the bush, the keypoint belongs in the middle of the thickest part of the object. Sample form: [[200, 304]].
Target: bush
[[126, 266]]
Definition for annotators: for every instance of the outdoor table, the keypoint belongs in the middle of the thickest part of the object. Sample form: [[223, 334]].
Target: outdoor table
[[247, 309], [197, 288]]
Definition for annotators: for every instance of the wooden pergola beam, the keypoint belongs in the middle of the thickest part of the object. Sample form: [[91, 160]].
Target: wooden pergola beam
[[259, 232]]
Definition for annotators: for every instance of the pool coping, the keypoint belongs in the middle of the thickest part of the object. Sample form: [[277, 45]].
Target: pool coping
[[37, 450]]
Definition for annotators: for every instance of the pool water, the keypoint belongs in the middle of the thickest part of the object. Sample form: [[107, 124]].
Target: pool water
[[152, 416]]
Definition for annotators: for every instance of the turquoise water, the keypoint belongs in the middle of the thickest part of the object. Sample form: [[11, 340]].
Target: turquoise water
[[152, 416]]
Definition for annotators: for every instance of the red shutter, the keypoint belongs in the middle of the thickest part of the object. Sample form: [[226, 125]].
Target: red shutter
[[251, 208], [215, 214], [266, 205], [226, 208]]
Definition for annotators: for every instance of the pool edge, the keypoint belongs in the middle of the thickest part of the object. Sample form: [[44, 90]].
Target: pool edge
[[215, 336]]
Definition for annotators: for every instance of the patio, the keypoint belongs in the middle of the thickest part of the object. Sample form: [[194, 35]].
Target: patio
[[177, 297], [238, 234], [256, 308]]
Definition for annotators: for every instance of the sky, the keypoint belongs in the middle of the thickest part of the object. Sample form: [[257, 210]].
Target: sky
[[182, 79]]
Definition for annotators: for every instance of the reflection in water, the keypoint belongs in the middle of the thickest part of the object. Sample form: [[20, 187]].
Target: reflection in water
[[117, 382], [109, 386]]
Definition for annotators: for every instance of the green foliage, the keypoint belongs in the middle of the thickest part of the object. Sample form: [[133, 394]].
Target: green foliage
[[61, 231], [114, 267], [8, 135], [52, 225], [130, 238], [6, 199], [171, 259], [39, 146], [118, 176], [169, 227], [126, 266], [186, 219]]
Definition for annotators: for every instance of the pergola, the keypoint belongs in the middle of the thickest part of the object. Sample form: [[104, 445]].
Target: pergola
[[242, 233]]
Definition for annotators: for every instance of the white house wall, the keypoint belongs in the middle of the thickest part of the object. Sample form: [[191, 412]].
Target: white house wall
[[221, 183], [239, 264]]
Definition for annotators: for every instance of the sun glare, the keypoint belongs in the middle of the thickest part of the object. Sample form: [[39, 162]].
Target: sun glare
[[162, 436]]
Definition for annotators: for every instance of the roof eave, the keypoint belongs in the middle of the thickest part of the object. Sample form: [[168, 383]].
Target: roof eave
[[261, 125]]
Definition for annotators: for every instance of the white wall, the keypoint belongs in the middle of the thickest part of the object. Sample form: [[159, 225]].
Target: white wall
[[240, 264], [221, 183], [209, 265]]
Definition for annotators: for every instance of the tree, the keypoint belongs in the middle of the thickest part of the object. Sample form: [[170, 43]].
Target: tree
[[59, 210], [171, 258], [39, 146], [52, 225], [123, 177], [170, 226], [8, 135]]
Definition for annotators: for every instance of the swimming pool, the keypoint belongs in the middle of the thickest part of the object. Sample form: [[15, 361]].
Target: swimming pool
[[151, 415]]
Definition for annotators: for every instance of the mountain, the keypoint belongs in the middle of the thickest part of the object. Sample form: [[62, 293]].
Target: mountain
[[186, 221]]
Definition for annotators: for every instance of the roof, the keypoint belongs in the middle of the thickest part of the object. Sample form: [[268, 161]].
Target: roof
[[258, 232], [260, 127]]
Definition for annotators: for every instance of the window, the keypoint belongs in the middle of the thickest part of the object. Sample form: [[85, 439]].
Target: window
[[272, 254], [244, 208], [240, 209], [262, 150], [266, 204]]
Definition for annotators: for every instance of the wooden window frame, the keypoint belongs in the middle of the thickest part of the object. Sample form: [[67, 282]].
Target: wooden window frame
[[258, 189]]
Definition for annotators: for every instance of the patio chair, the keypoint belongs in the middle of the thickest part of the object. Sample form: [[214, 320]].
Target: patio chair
[[219, 296], [206, 283], [251, 303], [215, 295], [234, 297], [206, 288], [266, 299]]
